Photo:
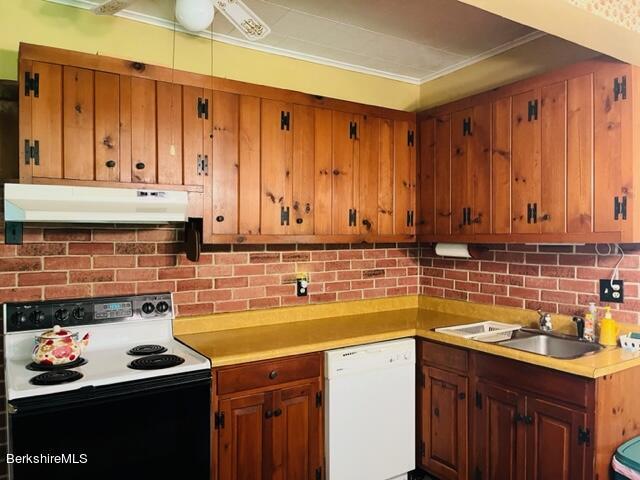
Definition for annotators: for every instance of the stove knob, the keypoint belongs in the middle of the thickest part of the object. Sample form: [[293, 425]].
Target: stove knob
[[162, 307], [18, 319], [78, 313], [148, 308], [37, 318], [61, 314]]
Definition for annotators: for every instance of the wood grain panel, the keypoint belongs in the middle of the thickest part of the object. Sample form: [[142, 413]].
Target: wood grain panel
[[461, 183], [525, 163], [443, 175], [553, 160], [143, 130], [277, 157], [24, 121], [479, 145], [107, 127], [323, 159], [386, 179], [223, 167], [345, 157], [303, 171], [249, 154], [370, 143], [580, 154], [169, 133], [501, 165], [193, 135], [125, 129], [613, 155], [404, 177], [425, 213], [78, 126], [46, 120]]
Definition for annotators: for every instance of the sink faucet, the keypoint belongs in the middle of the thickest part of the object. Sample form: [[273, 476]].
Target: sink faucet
[[544, 321], [579, 326]]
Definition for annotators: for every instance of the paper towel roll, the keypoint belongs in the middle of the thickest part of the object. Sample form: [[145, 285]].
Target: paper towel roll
[[457, 250]]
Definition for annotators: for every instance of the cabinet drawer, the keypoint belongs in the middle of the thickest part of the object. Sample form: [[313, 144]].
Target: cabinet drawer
[[268, 373], [443, 356]]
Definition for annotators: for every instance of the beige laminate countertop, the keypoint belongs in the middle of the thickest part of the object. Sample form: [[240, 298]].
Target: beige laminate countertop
[[252, 342]]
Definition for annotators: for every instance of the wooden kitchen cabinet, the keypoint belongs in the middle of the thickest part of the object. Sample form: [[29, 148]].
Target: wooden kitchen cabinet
[[405, 177], [556, 159], [268, 421]]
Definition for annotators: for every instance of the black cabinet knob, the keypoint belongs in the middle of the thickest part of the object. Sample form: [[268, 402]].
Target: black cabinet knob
[[273, 374], [277, 412], [268, 414], [139, 165], [220, 218], [299, 221], [436, 412], [462, 396], [110, 163]]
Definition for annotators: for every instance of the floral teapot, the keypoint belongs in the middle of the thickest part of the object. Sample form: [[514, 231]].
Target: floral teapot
[[58, 347]]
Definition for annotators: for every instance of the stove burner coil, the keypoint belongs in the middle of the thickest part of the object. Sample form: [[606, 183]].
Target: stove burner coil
[[154, 362], [56, 377], [37, 367], [147, 350]]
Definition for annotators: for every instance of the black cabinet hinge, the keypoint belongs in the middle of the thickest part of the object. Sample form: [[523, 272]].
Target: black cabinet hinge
[[466, 126], [477, 474], [285, 120], [620, 208], [411, 136], [409, 218], [31, 84], [422, 449], [203, 108], [319, 473], [584, 436], [532, 110], [619, 88], [218, 420], [353, 130], [478, 400], [352, 217], [532, 213], [32, 152], [203, 165], [284, 216], [466, 216], [318, 399]]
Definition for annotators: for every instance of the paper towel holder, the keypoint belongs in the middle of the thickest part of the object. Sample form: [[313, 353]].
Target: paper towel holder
[[459, 250]]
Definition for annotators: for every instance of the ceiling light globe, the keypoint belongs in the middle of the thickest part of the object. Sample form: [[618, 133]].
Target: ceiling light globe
[[194, 15]]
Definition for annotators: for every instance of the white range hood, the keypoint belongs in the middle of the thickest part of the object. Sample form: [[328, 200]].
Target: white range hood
[[70, 204]]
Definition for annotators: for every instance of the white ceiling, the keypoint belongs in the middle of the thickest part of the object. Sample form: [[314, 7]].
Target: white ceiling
[[410, 40]]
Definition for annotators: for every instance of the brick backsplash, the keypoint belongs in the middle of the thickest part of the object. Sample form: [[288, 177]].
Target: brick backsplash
[[556, 279]]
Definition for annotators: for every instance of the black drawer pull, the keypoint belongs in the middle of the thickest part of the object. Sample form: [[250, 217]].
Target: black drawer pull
[[139, 165], [220, 218], [273, 374], [277, 412], [110, 163]]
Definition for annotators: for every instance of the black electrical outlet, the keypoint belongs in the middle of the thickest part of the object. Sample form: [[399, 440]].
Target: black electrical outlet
[[302, 287], [611, 290]]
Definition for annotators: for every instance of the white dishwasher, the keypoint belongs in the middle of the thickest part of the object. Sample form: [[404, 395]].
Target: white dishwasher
[[370, 411]]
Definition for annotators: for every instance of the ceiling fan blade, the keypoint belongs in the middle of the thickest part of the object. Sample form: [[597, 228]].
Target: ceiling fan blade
[[111, 6], [243, 18]]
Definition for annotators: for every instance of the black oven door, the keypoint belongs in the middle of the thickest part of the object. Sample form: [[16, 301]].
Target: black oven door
[[150, 429]]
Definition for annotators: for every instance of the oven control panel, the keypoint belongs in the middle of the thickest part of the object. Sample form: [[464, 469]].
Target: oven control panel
[[19, 317]]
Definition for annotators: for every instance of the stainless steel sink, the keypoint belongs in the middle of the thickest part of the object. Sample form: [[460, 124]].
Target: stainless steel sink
[[551, 345]]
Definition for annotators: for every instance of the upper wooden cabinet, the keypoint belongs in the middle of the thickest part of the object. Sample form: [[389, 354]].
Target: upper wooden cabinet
[[261, 164], [548, 159]]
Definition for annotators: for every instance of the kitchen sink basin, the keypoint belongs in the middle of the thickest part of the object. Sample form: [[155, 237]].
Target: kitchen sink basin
[[551, 345]]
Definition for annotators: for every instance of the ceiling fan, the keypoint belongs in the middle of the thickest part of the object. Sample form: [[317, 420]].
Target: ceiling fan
[[197, 15]]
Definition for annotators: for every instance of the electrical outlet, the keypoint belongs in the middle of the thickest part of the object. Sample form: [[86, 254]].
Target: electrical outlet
[[302, 285], [611, 290]]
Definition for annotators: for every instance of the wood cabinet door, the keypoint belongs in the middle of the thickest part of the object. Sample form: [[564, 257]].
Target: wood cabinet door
[[551, 211], [370, 170], [345, 140], [613, 170], [553, 447], [444, 410], [223, 167], [250, 161], [143, 130], [525, 162], [196, 130], [302, 171], [169, 135], [296, 447], [77, 123], [501, 165], [405, 177], [461, 184], [385, 209], [276, 143], [107, 128], [40, 121], [244, 438], [425, 195], [443, 175], [499, 446], [479, 158], [323, 161]]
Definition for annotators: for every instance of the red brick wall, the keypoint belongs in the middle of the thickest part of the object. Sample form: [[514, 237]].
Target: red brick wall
[[557, 279]]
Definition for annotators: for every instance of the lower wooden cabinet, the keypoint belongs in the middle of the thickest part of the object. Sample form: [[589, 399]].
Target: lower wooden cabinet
[[267, 420]]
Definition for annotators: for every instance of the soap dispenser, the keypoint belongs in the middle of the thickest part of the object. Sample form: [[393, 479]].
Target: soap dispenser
[[608, 329]]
